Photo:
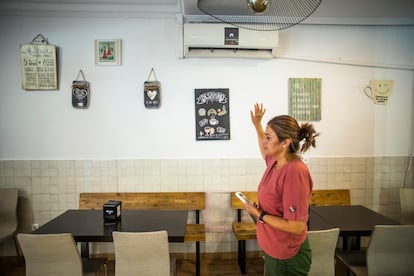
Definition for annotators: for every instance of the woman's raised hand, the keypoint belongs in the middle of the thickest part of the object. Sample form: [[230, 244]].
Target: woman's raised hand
[[257, 114]]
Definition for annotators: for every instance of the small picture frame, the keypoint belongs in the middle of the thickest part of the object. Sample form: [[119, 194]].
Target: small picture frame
[[108, 51]]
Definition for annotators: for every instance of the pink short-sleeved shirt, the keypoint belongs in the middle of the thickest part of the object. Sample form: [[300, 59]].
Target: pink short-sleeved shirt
[[284, 192]]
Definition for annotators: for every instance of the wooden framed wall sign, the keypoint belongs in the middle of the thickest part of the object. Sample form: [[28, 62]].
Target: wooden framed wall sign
[[38, 65], [108, 52], [212, 114], [305, 99]]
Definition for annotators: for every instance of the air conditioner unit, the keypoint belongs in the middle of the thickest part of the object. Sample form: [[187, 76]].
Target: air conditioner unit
[[223, 40]]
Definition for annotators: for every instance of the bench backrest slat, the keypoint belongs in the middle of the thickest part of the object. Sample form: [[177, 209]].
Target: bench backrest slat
[[236, 202], [146, 201], [319, 197], [331, 197]]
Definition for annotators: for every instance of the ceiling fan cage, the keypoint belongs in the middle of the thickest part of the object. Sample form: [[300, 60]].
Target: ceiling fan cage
[[277, 15]]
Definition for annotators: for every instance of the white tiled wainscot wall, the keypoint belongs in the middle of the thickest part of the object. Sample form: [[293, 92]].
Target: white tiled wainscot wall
[[48, 188]]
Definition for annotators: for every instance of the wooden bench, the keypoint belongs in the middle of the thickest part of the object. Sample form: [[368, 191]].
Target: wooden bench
[[191, 201], [244, 230]]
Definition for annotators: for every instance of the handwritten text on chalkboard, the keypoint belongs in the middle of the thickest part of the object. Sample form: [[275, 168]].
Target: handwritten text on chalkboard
[[212, 114]]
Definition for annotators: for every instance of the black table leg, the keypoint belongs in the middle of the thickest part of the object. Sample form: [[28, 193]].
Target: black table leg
[[353, 244], [241, 256], [198, 258], [356, 243], [344, 243], [84, 249]]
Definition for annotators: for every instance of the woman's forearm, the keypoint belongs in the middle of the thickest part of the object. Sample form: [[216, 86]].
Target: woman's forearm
[[291, 226]]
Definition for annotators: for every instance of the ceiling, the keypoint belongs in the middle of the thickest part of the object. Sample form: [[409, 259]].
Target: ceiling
[[381, 12], [342, 11]]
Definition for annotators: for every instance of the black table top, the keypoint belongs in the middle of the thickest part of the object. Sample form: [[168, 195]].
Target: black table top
[[318, 223], [89, 226], [351, 220]]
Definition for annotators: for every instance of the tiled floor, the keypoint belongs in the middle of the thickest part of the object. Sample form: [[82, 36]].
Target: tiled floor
[[209, 267]]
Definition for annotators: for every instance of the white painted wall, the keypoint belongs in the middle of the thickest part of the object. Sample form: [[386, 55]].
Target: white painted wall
[[43, 125]]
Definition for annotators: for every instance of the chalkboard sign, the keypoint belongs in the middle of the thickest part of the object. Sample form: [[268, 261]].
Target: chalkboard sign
[[212, 114]]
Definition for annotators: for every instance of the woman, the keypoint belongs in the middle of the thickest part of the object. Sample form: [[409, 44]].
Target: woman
[[284, 194]]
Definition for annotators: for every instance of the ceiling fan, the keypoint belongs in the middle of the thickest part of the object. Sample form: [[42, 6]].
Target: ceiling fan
[[260, 15]]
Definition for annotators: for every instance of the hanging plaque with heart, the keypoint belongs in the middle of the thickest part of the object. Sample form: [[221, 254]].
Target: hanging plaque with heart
[[152, 92], [80, 92]]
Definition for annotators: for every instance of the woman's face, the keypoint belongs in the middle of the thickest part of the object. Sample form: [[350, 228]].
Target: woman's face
[[271, 144]]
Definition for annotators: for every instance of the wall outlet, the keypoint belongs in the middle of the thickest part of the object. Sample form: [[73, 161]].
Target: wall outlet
[[35, 226]]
